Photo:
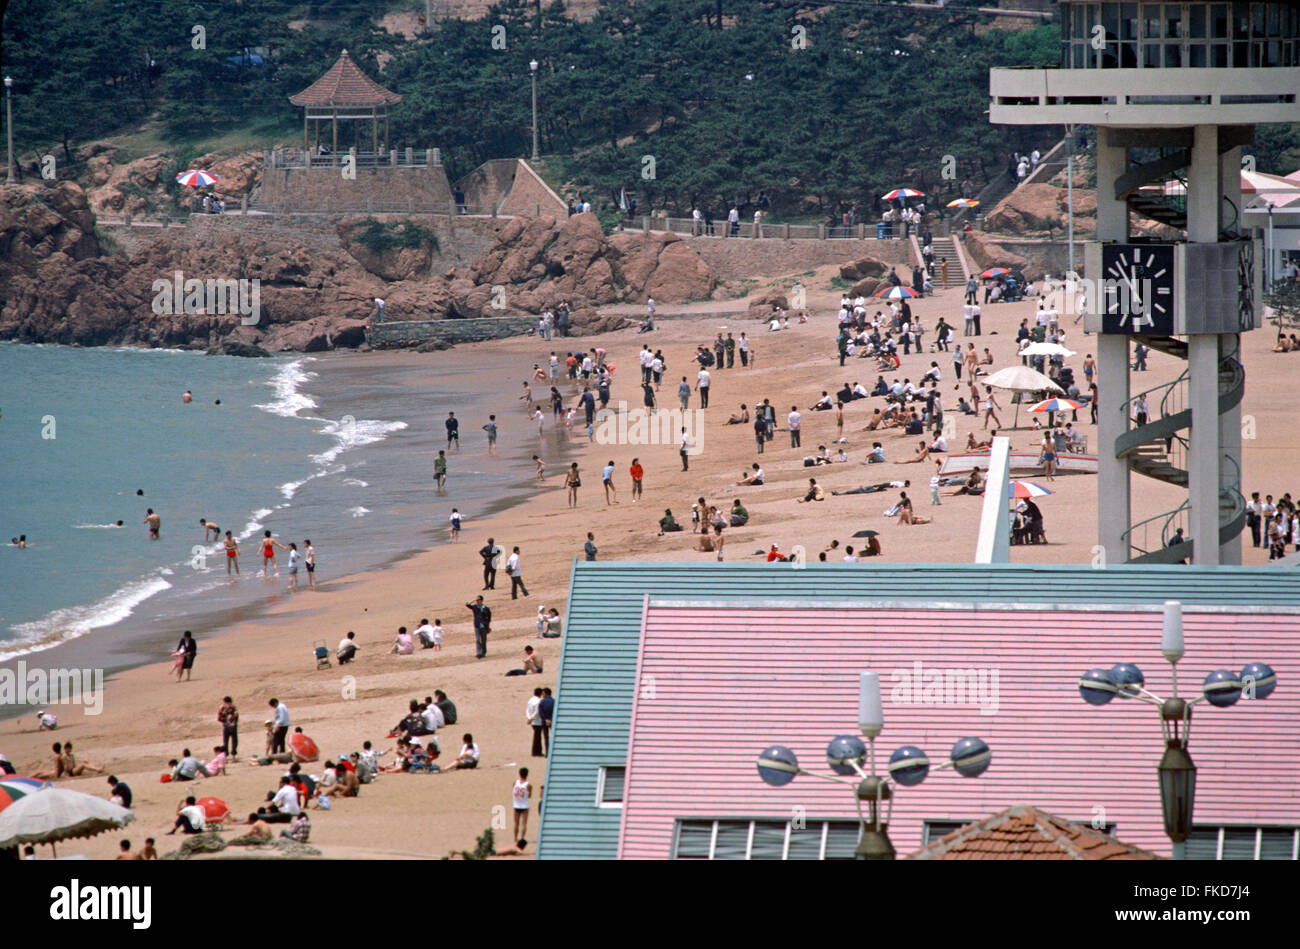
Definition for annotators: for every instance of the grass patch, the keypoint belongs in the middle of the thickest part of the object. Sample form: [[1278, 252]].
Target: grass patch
[[839, 283], [378, 237]]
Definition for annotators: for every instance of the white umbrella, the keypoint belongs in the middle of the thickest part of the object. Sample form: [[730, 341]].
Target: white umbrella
[[1046, 349], [52, 814], [1021, 379]]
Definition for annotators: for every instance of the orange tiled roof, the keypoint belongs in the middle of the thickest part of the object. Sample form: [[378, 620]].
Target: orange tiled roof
[[1023, 832], [345, 85]]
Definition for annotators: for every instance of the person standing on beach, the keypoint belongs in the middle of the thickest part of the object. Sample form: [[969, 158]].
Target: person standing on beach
[[294, 556], [516, 574], [228, 716], [589, 548], [491, 429], [685, 448], [232, 554], [648, 397], [794, 420], [440, 470], [310, 559], [269, 544], [990, 404], [189, 649], [454, 521], [541, 469], [491, 555], [637, 473], [684, 394], [279, 725], [453, 429], [607, 478], [703, 386], [573, 481], [717, 540], [482, 625], [154, 522], [210, 527]]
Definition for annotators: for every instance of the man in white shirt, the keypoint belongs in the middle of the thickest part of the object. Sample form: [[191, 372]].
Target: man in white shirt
[[794, 420], [646, 358], [968, 312], [684, 448], [516, 575], [733, 222], [424, 633], [281, 724], [703, 387], [432, 716], [849, 556], [190, 817], [696, 220], [286, 799]]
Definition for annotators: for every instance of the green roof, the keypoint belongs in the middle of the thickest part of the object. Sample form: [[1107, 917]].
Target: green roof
[[602, 633]]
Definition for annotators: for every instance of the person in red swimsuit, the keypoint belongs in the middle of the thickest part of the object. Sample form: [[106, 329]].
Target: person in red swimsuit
[[232, 553], [269, 544]]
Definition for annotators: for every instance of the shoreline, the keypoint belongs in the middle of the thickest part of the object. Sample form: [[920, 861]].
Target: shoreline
[[148, 717]]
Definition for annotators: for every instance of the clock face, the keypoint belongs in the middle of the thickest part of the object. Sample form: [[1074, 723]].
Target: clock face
[[1137, 291]]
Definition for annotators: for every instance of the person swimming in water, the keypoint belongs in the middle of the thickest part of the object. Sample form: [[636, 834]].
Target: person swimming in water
[[188, 396], [269, 544]]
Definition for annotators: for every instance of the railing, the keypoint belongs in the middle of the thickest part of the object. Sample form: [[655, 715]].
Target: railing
[[1170, 520], [374, 207], [687, 227], [290, 157]]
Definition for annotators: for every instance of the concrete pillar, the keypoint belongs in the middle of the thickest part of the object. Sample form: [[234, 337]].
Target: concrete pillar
[[1113, 509], [1112, 214], [821, 232], [1230, 447], [1203, 455], [1203, 194], [437, 157], [1230, 188]]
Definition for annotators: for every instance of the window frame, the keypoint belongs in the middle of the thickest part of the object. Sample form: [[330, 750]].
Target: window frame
[[601, 773]]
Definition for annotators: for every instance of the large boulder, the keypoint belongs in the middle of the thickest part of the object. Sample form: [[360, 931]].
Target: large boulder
[[865, 287], [865, 267], [395, 262]]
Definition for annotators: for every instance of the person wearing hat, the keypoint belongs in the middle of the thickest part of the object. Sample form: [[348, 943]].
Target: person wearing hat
[[774, 554]]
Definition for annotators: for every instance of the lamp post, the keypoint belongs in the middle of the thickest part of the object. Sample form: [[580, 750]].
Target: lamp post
[[1176, 772], [846, 755], [532, 68], [9, 125]]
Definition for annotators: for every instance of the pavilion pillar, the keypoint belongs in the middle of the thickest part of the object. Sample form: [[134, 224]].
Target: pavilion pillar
[[306, 130], [374, 130], [335, 151]]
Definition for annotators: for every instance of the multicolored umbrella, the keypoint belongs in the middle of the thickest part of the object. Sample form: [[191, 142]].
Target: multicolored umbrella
[[1057, 405], [1026, 489], [896, 293], [197, 178], [15, 787], [963, 203], [52, 814], [994, 272], [903, 193]]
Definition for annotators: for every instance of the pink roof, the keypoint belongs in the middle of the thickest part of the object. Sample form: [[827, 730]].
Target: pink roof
[[718, 684]]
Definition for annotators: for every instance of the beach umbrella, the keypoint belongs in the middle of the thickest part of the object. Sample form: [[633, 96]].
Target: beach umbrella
[[1021, 379], [1056, 405], [52, 814], [1046, 349], [896, 293], [903, 193], [214, 808], [197, 178], [867, 534], [994, 272], [1026, 489], [964, 203], [303, 748], [15, 788]]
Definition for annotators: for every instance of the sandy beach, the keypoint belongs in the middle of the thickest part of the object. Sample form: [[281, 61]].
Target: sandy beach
[[148, 717]]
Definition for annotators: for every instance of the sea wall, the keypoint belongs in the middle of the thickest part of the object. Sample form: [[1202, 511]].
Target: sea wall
[[415, 332]]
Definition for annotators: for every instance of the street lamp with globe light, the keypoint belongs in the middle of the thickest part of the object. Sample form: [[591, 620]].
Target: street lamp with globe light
[[846, 755], [532, 68], [1221, 688]]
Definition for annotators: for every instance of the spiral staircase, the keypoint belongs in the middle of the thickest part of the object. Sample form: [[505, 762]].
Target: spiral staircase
[[1158, 450]]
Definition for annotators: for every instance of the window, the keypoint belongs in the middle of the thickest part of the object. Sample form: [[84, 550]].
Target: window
[[742, 839], [1244, 843], [609, 786]]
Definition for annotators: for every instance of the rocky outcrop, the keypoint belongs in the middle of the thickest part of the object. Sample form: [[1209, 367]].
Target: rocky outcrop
[[860, 269], [410, 256]]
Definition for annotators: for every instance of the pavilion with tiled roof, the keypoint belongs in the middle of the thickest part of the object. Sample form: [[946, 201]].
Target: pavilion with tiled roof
[[1023, 832], [346, 93]]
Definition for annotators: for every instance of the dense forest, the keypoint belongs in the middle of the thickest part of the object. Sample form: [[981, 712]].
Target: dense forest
[[822, 106]]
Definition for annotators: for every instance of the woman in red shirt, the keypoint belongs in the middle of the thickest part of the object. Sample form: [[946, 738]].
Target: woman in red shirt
[[637, 473]]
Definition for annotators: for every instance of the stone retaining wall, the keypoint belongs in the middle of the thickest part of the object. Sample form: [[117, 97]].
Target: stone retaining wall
[[415, 332], [738, 258]]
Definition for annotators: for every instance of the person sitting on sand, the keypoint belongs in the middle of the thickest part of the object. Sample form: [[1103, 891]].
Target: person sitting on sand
[[469, 754], [974, 484], [815, 492], [258, 828], [742, 418], [403, 645], [54, 772], [975, 444], [148, 852], [347, 784], [190, 818], [905, 515], [877, 455], [755, 477], [824, 404], [74, 770], [739, 515], [218, 763], [705, 544], [1283, 344], [922, 452], [668, 524], [46, 721], [347, 650]]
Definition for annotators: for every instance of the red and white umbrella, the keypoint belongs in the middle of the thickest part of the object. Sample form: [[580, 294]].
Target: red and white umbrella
[[197, 178], [1057, 405], [1026, 489], [303, 748], [896, 293], [903, 193], [963, 203]]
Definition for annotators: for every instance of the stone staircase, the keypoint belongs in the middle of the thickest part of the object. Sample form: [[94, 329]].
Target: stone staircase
[[946, 248]]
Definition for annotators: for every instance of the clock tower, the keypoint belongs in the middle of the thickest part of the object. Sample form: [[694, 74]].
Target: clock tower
[[1174, 90]]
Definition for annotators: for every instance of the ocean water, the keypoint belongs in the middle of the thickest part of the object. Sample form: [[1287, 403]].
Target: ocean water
[[330, 448]]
